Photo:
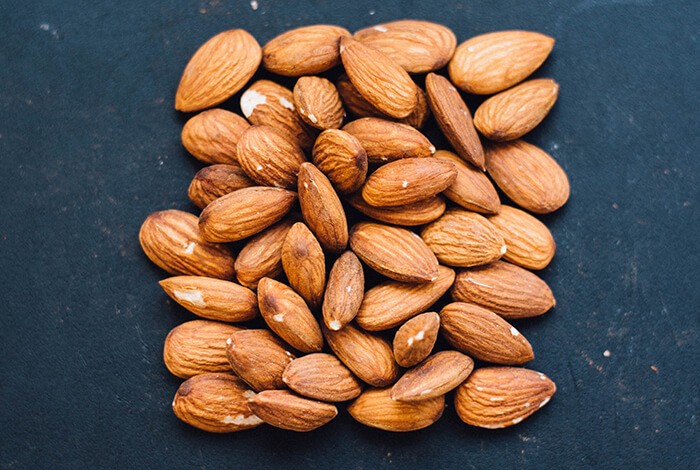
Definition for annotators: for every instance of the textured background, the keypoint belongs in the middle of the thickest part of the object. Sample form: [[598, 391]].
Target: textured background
[[89, 145]]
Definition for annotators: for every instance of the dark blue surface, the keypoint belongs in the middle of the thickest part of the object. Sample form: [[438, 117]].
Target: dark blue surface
[[89, 145]]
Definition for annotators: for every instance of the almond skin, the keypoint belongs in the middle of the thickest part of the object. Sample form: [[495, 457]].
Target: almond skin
[[528, 175], [505, 289], [380, 80], [286, 313], [386, 141], [259, 358], [492, 62], [410, 215], [219, 68], [498, 397], [391, 303], [304, 51], [173, 241], [318, 103], [513, 113], [415, 339], [215, 402], [244, 213], [483, 335], [196, 347], [471, 188], [322, 377], [529, 242], [407, 181], [434, 377], [344, 291], [462, 238], [212, 182], [394, 252], [304, 264], [454, 119], [368, 356], [375, 408], [285, 410], [213, 299], [340, 156], [211, 136], [269, 157], [417, 46]]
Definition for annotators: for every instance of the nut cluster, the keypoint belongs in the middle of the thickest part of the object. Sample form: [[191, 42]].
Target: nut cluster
[[281, 179]]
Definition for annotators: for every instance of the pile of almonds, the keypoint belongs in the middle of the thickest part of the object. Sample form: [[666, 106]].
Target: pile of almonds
[[273, 239]]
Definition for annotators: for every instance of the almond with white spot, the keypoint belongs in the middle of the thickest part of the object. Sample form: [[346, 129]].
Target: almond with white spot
[[269, 157], [529, 241], [285, 410], [375, 408], [318, 103], [304, 264], [434, 377], [322, 377], [471, 189], [214, 181], [259, 358], [211, 136], [344, 291], [340, 156], [409, 215], [386, 141], [416, 338]]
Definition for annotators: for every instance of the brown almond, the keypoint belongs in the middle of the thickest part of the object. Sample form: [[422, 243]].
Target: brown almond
[[462, 238], [245, 212], [483, 335], [340, 156], [410, 215], [196, 347], [375, 408], [304, 51], [528, 175], [215, 402], [380, 80], [285, 410], [394, 252], [173, 241], [391, 303], [513, 113], [471, 188], [344, 291], [219, 68], [507, 290], [269, 157], [492, 62], [259, 358], [213, 299], [434, 377], [322, 377], [416, 338], [214, 181], [304, 264], [529, 242], [318, 103], [386, 141], [211, 136], [498, 397]]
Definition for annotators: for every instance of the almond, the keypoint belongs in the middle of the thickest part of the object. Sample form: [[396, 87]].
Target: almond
[[269, 157], [340, 156], [322, 377], [454, 119], [211, 136], [415, 339], [344, 291], [375, 408], [463, 238], [513, 113], [244, 213], [394, 252], [391, 303], [385, 141], [213, 299], [380, 80], [498, 397], [483, 335], [304, 264], [528, 175], [471, 188], [219, 68], [492, 62], [215, 402], [407, 181], [529, 242], [286, 410], [196, 347], [173, 241], [212, 182], [322, 210], [368, 356], [318, 103], [434, 377], [505, 289], [259, 358], [418, 213], [286, 313], [417, 46], [304, 51]]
